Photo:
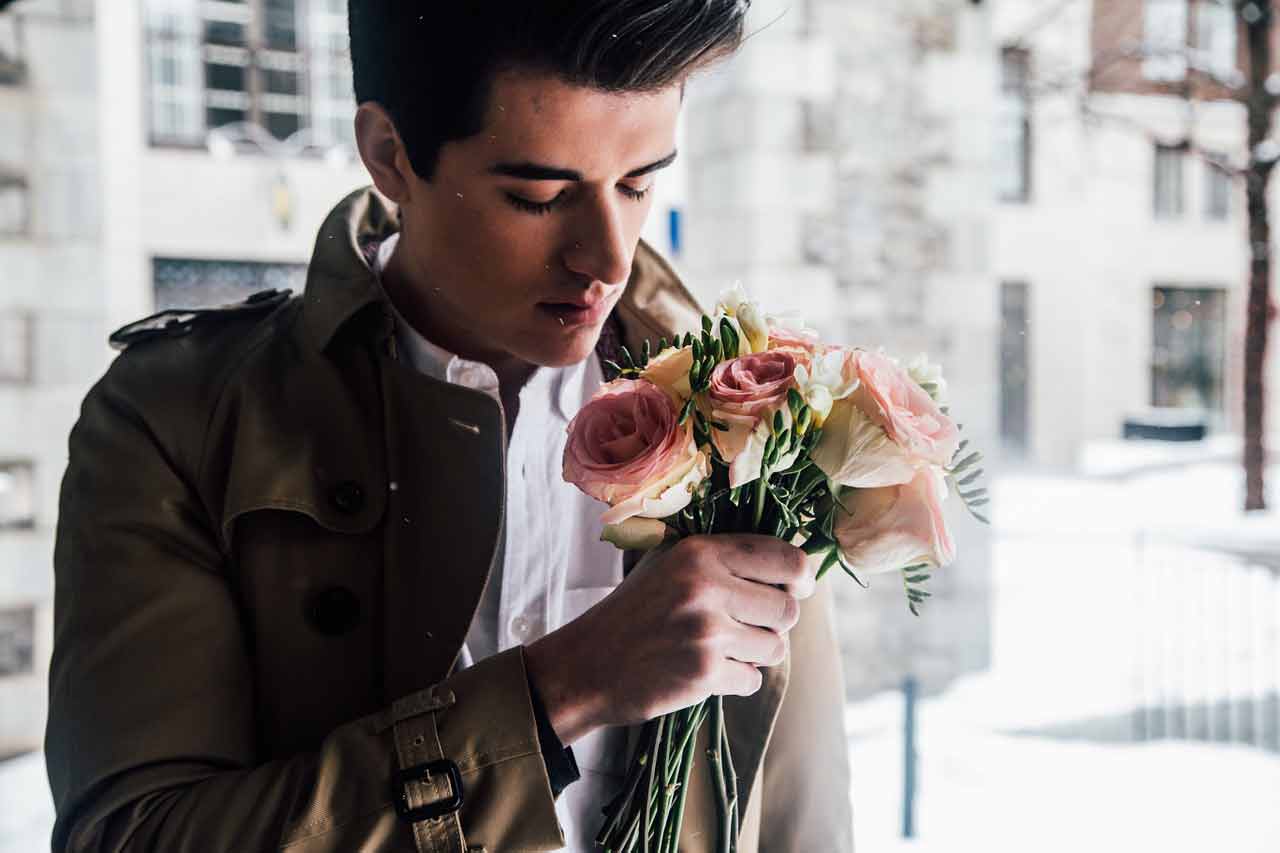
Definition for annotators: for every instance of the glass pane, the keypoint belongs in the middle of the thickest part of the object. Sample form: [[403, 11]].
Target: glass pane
[[1188, 347]]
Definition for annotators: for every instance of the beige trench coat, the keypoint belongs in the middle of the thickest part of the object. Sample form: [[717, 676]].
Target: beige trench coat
[[273, 536]]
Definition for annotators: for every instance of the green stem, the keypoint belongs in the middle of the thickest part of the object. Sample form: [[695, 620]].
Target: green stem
[[716, 754], [761, 485], [686, 765], [727, 755]]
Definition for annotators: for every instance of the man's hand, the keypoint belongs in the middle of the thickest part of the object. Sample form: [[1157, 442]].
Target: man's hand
[[693, 619]]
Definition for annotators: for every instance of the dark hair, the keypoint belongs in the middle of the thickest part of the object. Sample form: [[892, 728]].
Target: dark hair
[[431, 63]]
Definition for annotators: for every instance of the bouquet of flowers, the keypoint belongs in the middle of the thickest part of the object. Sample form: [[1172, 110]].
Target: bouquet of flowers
[[754, 425]]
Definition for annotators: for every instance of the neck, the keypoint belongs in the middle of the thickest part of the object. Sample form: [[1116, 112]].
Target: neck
[[411, 297]]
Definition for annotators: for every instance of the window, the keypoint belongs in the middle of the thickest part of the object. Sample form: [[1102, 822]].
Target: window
[[1014, 366], [13, 70], [1013, 148], [17, 496], [1168, 181], [186, 283], [1164, 40], [1216, 38], [280, 64], [15, 204], [1217, 191], [1188, 347], [15, 347], [17, 640]]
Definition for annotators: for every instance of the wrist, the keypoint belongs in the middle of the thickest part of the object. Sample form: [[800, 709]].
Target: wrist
[[573, 710]]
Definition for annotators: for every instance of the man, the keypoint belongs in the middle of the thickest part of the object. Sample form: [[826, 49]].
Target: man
[[319, 584]]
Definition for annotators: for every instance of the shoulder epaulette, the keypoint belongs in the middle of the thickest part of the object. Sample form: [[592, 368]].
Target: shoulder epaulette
[[175, 322]]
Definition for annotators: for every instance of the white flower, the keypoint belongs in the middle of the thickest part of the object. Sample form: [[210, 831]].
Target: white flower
[[828, 382], [924, 373], [747, 318]]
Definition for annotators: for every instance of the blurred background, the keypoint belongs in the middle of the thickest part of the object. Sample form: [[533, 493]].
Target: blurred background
[[1049, 197]]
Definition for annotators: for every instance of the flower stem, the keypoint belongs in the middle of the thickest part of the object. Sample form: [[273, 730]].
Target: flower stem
[[716, 754]]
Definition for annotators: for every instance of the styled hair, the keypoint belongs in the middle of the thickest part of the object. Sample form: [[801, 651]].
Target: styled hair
[[431, 63]]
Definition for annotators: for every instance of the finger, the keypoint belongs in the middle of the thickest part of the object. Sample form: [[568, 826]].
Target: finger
[[738, 679], [758, 646], [766, 559], [754, 603]]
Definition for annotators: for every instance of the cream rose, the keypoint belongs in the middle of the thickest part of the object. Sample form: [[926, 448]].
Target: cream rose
[[892, 527]]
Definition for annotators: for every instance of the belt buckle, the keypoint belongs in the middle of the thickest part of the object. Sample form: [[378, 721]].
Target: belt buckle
[[421, 772]]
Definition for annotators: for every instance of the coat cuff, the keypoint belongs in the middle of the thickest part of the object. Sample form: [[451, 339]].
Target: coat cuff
[[562, 767], [482, 720]]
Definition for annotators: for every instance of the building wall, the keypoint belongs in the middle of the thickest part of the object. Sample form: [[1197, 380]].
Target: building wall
[[1088, 243], [49, 273]]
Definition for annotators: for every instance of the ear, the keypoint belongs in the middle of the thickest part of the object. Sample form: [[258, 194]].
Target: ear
[[383, 152]]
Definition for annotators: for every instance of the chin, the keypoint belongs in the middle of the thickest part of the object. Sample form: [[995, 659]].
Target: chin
[[571, 350]]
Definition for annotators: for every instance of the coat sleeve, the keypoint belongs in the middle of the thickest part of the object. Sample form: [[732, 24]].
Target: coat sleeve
[[150, 741], [806, 803]]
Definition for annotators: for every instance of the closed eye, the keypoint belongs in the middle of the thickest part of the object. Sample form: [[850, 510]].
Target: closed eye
[[538, 208]]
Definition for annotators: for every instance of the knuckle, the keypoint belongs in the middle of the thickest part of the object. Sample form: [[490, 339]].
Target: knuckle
[[755, 679], [790, 614]]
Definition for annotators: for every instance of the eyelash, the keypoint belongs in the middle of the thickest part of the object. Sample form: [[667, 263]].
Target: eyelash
[[540, 208]]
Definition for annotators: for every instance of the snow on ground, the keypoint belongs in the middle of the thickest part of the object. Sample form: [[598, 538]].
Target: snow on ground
[[1099, 606]]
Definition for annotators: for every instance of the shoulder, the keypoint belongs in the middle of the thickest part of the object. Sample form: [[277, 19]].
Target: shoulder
[[175, 365]]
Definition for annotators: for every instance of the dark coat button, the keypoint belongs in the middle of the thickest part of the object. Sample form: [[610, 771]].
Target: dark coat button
[[332, 611], [348, 497]]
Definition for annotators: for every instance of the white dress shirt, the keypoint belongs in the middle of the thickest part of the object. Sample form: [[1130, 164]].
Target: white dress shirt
[[551, 565]]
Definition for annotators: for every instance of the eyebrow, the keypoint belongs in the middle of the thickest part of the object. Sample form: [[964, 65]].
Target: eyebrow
[[539, 172]]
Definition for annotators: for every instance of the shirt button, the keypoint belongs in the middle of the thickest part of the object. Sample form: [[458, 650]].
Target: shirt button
[[521, 628]]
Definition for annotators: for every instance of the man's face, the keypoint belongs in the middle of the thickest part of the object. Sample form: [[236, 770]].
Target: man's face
[[522, 242]]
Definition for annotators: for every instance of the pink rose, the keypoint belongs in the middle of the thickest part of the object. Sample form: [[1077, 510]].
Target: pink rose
[[744, 394], [626, 448], [895, 402], [892, 527], [803, 344]]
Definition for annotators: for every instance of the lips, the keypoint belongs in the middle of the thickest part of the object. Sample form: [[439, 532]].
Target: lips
[[576, 312], [572, 314]]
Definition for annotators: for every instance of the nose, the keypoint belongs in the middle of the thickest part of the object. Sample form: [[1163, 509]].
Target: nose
[[600, 246]]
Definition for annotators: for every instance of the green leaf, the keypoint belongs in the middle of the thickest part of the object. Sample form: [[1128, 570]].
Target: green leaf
[[848, 571], [976, 493], [723, 427], [645, 353], [969, 478], [662, 344], [684, 412], [966, 462], [716, 349], [627, 359], [912, 608], [918, 578], [795, 402], [979, 502], [833, 556], [613, 365], [697, 351], [778, 422], [963, 444], [981, 518], [706, 323], [735, 495]]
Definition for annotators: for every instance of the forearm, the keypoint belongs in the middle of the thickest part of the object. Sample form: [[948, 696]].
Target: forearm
[[340, 796]]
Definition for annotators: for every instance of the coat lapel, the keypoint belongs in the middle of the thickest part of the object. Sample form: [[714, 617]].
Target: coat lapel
[[446, 454]]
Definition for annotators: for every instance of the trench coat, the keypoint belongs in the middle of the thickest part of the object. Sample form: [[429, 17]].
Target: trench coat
[[273, 535]]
